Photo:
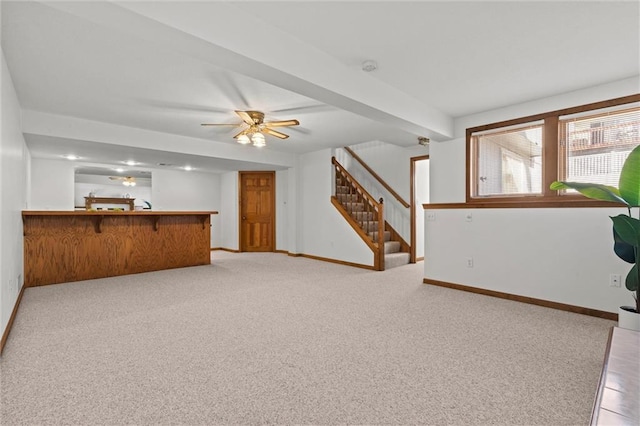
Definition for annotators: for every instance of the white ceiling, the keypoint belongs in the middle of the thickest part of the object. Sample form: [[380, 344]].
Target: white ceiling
[[169, 66]]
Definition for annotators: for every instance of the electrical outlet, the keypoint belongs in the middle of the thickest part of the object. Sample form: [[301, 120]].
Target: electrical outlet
[[614, 280], [469, 262], [431, 216], [468, 217]]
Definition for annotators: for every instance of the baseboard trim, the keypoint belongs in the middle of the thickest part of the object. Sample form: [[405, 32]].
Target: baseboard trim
[[225, 249], [309, 256], [5, 335], [525, 299], [326, 259]]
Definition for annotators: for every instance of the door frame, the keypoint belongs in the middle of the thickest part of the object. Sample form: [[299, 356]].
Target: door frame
[[412, 189], [273, 207]]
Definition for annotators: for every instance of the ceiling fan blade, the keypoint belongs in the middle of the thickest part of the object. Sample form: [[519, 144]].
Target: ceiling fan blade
[[282, 123], [241, 133], [115, 178], [245, 117], [274, 133], [220, 124]]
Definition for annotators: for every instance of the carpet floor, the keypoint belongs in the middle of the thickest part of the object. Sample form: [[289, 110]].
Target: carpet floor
[[272, 339]]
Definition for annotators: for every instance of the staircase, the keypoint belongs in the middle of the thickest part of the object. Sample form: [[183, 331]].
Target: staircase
[[367, 214]]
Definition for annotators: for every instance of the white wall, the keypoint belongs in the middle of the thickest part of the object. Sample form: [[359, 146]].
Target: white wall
[[14, 167], [282, 210], [188, 191], [323, 231], [52, 184], [294, 214], [229, 204], [391, 162], [447, 171], [561, 254]]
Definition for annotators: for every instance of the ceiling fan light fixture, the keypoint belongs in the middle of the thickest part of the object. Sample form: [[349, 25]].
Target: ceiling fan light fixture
[[256, 128], [243, 139], [129, 181], [258, 139]]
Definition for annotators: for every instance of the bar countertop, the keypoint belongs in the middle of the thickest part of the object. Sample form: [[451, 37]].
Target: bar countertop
[[114, 213]]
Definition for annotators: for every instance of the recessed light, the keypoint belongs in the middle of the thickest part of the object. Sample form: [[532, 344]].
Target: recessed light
[[130, 163], [71, 157], [119, 170], [188, 168]]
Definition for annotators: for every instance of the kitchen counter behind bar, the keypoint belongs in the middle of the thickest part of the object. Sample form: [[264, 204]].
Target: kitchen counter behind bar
[[64, 246]]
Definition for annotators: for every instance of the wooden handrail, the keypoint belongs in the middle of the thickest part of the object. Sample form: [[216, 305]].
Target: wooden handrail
[[355, 183], [378, 178]]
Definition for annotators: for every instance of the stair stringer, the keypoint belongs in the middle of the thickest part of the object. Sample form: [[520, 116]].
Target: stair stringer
[[361, 233]]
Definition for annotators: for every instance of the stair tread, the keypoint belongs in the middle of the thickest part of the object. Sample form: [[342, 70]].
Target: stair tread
[[397, 254]]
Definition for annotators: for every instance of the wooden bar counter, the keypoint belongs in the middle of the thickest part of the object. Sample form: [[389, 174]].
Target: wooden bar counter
[[64, 246]]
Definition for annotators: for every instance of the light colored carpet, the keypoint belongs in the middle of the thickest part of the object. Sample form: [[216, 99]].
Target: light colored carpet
[[267, 338]]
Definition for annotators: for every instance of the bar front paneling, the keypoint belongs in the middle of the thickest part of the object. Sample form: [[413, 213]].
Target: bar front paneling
[[73, 246]]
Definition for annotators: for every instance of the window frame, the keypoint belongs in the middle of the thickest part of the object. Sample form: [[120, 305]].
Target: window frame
[[552, 163]]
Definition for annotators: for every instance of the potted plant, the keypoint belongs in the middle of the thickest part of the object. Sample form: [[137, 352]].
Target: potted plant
[[626, 228]]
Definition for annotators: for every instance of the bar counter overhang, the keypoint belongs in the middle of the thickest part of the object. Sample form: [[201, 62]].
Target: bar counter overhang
[[65, 246]]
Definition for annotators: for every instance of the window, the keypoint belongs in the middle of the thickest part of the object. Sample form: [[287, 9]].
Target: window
[[596, 144], [517, 160], [509, 160]]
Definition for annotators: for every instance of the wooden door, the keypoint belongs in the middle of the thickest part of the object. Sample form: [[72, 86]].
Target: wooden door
[[257, 211]]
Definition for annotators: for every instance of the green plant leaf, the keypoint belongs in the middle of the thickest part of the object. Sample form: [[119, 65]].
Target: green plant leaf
[[595, 191], [629, 183], [632, 279], [624, 250], [628, 229]]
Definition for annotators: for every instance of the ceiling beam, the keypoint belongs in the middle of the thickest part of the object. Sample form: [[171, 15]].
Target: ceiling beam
[[65, 127]]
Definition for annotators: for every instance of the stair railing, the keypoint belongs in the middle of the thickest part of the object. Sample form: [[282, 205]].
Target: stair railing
[[397, 212], [371, 209]]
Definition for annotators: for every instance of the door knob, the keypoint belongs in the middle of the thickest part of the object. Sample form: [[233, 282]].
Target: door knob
[[244, 218]]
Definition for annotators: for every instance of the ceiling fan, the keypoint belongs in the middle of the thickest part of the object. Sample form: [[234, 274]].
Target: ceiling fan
[[257, 128], [126, 180]]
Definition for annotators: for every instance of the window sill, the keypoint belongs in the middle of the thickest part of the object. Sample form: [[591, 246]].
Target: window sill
[[526, 203]]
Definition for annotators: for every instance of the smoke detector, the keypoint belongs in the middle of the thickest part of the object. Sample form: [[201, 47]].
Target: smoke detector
[[369, 65]]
